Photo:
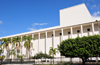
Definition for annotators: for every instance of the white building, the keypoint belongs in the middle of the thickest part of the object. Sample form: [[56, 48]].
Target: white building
[[74, 21]]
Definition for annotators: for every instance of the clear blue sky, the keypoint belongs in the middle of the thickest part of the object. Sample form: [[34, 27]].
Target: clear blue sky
[[19, 16]]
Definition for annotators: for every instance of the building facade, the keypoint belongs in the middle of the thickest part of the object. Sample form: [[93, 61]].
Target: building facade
[[74, 21]]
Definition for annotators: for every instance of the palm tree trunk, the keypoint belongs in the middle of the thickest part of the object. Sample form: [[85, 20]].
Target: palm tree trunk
[[6, 53], [16, 53], [28, 53], [21, 49], [53, 58], [7, 50], [11, 55]]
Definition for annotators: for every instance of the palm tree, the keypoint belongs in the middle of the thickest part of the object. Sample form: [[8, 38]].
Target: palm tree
[[28, 44], [12, 52], [53, 52], [16, 43], [5, 43], [1, 49]]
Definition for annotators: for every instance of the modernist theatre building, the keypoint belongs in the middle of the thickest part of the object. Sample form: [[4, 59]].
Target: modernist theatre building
[[74, 21]]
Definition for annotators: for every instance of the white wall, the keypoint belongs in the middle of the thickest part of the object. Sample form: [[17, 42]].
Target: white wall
[[35, 44], [42, 43], [57, 40], [74, 15], [49, 42]]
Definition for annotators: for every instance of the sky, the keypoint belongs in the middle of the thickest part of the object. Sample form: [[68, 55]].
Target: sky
[[19, 16]]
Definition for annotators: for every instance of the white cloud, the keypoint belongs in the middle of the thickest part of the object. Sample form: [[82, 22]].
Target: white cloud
[[2, 31], [35, 24], [0, 22], [39, 24], [94, 6], [83, 0], [96, 14], [32, 29], [92, 0]]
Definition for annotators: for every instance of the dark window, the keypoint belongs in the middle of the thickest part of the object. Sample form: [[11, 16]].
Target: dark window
[[88, 29], [68, 32], [60, 33], [78, 31], [52, 34]]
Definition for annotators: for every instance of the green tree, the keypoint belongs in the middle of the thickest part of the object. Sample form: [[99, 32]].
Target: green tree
[[1, 49], [53, 52], [40, 55], [28, 44], [16, 43], [83, 48], [12, 52], [5, 43]]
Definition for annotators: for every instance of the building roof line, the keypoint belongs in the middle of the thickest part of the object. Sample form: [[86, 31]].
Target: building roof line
[[41, 30]]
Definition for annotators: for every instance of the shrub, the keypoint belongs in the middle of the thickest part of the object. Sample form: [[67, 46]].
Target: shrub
[[2, 57], [40, 55]]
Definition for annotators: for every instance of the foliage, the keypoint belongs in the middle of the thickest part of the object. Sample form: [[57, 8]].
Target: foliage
[[12, 52], [5, 42], [18, 50], [28, 44], [1, 49], [2, 57], [41, 55], [15, 40], [53, 51], [84, 47], [20, 56]]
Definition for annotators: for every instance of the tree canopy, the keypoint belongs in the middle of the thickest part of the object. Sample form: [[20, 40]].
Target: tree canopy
[[40, 55], [83, 47]]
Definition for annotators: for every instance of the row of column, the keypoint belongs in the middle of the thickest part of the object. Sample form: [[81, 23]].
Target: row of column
[[71, 30]]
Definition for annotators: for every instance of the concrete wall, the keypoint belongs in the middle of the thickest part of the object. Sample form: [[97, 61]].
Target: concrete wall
[[39, 45], [74, 15]]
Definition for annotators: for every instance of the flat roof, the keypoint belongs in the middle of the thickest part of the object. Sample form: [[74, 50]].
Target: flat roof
[[46, 29]]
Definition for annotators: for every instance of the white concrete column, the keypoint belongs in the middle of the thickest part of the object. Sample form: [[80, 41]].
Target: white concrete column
[[26, 39], [10, 49], [98, 27], [71, 37], [16, 50], [93, 28], [33, 44], [81, 31], [38, 41], [21, 45], [32, 35], [26, 49], [11, 42], [53, 38], [71, 31], [62, 34], [61, 40], [45, 40], [21, 38]]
